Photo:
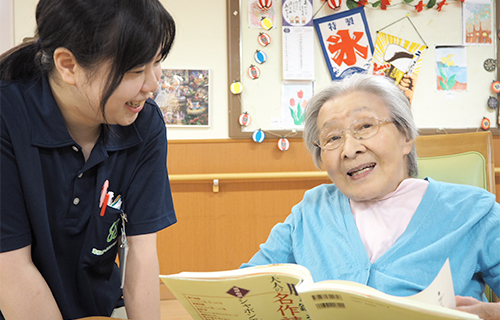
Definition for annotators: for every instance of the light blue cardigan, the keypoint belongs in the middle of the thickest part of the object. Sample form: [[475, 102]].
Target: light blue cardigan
[[453, 221]]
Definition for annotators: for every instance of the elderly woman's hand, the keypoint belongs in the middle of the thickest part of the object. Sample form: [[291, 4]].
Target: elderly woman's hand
[[485, 310]]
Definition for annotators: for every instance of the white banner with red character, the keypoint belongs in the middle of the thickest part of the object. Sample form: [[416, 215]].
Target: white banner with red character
[[346, 42]]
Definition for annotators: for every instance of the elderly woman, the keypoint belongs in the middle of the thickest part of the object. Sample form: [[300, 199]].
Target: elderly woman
[[377, 224]]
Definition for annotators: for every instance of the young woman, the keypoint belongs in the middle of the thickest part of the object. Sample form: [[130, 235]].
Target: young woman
[[377, 224], [83, 161]]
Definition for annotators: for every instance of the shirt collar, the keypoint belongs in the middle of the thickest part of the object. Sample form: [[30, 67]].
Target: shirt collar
[[49, 129]]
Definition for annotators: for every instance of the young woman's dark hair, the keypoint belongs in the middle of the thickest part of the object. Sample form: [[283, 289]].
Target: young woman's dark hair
[[127, 33]]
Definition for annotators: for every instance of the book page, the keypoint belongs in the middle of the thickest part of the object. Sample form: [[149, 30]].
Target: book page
[[440, 292], [281, 268], [349, 300]]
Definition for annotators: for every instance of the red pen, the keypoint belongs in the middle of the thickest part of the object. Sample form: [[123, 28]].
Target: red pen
[[105, 204]]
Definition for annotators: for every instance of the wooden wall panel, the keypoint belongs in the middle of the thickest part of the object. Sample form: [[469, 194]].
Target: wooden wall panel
[[220, 231]]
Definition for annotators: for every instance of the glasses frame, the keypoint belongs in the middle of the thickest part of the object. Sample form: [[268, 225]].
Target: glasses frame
[[354, 133]]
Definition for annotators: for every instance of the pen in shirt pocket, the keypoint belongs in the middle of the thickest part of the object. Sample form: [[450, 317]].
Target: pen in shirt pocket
[[106, 197]]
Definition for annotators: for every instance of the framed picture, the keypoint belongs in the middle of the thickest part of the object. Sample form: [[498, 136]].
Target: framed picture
[[183, 97]]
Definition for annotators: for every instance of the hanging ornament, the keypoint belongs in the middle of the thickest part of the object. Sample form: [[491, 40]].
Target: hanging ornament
[[260, 56], [495, 86], [492, 102], [334, 4], [485, 123], [266, 23], [265, 4], [283, 144], [244, 119], [489, 64], [258, 136], [236, 87], [264, 39], [253, 72]]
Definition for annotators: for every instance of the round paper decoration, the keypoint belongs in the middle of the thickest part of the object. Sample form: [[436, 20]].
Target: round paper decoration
[[236, 87], [244, 119], [253, 72], [266, 23], [334, 4], [258, 136], [489, 64], [283, 144], [485, 123], [260, 56], [492, 102], [264, 39], [495, 86], [265, 4]]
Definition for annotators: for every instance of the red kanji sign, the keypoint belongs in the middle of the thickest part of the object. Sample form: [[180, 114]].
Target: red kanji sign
[[344, 48]]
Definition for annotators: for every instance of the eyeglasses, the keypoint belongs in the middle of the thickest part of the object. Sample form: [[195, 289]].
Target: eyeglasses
[[361, 129]]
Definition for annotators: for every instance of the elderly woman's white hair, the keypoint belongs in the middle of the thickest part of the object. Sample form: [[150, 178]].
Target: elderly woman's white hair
[[393, 97]]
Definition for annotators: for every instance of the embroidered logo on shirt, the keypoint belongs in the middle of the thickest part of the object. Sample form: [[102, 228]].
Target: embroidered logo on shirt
[[98, 252], [113, 231]]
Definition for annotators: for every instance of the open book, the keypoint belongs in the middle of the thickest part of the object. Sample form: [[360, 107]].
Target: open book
[[287, 292]]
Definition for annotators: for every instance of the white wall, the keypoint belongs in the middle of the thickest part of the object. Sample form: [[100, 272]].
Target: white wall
[[200, 44], [6, 25], [24, 19]]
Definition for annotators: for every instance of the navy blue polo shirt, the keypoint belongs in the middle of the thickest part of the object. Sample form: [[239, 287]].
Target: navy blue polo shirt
[[50, 195]]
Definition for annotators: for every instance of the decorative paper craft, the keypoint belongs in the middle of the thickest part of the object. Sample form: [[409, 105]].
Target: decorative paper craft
[[485, 123], [477, 23], [334, 4], [260, 56], [258, 136], [244, 119], [490, 64], [255, 13], [264, 39], [266, 23], [395, 57], [253, 72], [183, 97], [495, 86], [265, 4], [236, 87], [451, 68], [283, 144], [346, 42]]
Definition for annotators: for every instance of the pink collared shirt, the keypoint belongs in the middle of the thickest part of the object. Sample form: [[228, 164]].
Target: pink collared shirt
[[381, 222]]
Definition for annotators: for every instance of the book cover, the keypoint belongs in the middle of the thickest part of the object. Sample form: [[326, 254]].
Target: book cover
[[287, 292]]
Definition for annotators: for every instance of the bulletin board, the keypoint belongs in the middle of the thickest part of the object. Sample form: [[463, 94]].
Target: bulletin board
[[435, 111]]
